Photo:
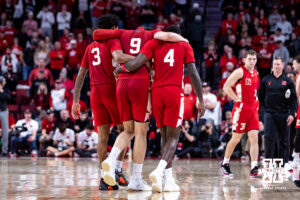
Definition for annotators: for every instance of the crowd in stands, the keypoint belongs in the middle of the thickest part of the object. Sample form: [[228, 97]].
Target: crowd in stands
[[42, 43]]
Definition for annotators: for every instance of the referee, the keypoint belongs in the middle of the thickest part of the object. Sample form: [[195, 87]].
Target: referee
[[278, 100]]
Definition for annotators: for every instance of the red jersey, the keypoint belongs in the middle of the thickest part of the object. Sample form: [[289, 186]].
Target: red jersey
[[46, 124], [169, 59], [246, 88], [263, 62], [98, 60], [57, 62], [132, 42]]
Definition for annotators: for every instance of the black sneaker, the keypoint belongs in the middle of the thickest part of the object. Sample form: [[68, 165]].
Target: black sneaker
[[120, 179], [254, 172], [104, 186], [225, 169]]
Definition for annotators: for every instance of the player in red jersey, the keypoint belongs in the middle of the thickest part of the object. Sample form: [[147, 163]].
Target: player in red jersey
[[296, 154], [98, 61], [245, 111], [167, 97], [132, 98]]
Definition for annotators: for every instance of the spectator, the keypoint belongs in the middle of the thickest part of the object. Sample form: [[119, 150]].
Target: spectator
[[67, 84], [47, 132], [160, 25], [10, 32], [64, 118], [29, 6], [41, 69], [41, 53], [227, 123], [3, 43], [229, 22], [147, 15], [98, 7], [11, 81], [80, 23], [282, 52], [210, 103], [279, 36], [63, 142], [227, 57], [41, 115], [8, 8], [63, 19], [18, 12], [42, 97], [294, 45], [82, 122], [256, 40], [81, 44], [48, 44], [264, 56], [3, 20], [58, 99], [274, 18], [73, 60], [64, 39], [26, 134], [57, 57], [190, 110], [35, 38], [30, 25], [226, 74], [285, 26], [9, 62], [118, 9], [87, 141], [263, 20], [47, 20], [210, 57], [4, 97]]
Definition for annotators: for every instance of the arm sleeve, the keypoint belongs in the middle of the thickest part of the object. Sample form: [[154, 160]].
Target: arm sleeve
[[114, 44], [148, 48], [189, 54], [293, 99], [103, 34], [59, 18], [84, 62]]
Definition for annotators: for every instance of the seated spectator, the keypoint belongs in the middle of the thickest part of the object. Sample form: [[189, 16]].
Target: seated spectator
[[25, 134], [57, 57], [40, 73], [63, 19], [227, 123], [9, 62], [41, 52], [224, 139], [87, 141], [42, 97], [47, 20], [73, 60], [30, 25], [187, 145], [82, 122], [282, 52], [63, 142], [229, 22], [210, 57], [64, 118], [227, 57], [190, 110], [40, 116], [58, 100], [47, 132], [285, 26]]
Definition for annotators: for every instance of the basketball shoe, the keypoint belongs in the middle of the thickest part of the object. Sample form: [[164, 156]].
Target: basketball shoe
[[225, 169], [138, 184], [156, 177]]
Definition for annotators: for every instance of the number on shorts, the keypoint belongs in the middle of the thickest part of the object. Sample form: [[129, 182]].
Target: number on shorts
[[243, 125], [96, 56], [135, 43], [169, 58]]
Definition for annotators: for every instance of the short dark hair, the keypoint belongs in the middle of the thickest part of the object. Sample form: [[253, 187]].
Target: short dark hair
[[297, 59], [89, 126], [62, 127], [174, 29], [279, 58], [108, 21], [251, 52]]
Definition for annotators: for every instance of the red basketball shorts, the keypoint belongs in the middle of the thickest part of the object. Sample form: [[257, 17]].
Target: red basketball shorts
[[244, 118], [167, 106], [132, 98], [298, 117], [104, 105]]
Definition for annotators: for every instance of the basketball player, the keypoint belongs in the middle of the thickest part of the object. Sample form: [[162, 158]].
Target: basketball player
[[132, 99], [98, 60], [245, 111], [296, 154], [167, 97]]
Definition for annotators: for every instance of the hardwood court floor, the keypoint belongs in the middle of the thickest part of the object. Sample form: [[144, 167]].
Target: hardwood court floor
[[67, 178]]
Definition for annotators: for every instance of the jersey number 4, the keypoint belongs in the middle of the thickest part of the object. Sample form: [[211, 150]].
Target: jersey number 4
[[169, 58], [96, 56]]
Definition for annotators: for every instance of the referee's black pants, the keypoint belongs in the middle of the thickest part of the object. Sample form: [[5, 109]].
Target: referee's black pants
[[277, 136]]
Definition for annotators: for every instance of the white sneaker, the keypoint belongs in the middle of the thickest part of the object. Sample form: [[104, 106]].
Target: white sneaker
[[76, 155], [156, 178], [138, 184], [171, 195], [94, 155], [288, 168], [108, 167], [33, 153], [138, 195], [171, 186]]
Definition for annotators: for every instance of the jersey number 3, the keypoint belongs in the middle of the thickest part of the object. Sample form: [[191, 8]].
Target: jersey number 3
[[96, 56], [169, 58]]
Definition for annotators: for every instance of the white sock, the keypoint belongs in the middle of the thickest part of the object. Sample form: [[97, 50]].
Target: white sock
[[101, 173], [137, 170], [168, 174], [119, 165], [115, 152], [253, 164], [162, 165], [226, 160]]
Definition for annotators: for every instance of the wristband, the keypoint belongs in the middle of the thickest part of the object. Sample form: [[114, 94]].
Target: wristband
[[123, 68]]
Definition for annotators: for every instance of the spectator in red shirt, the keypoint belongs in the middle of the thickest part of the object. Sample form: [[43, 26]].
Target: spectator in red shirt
[[227, 57], [35, 73], [264, 58], [297, 28], [263, 21], [73, 60], [226, 74], [98, 7], [256, 40], [47, 131], [160, 25], [190, 110], [17, 50], [272, 43], [242, 12], [42, 97], [9, 32], [67, 84], [229, 22], [210, 57], [81, 44], [64, 39], [241, 60], [57, 57], [3, 43]]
